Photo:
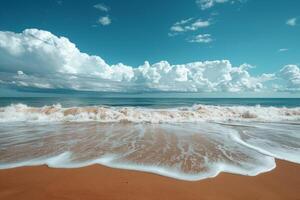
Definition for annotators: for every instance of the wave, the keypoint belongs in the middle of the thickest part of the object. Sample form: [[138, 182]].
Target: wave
[[191, 151], [196, 113]]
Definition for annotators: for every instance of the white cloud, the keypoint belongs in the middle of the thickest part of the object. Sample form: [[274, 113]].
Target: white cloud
[[36, 51], [283, 50], [39, 59], [290, 74], [104, 20], [292, 21], [201, 38], [188, 25], [206, 4], [102, 7]]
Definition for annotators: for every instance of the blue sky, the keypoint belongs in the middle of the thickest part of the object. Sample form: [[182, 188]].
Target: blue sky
[[261, 33]]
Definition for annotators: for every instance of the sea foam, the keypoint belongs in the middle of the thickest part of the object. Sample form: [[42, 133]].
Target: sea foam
[[196, 113], [187, 151]]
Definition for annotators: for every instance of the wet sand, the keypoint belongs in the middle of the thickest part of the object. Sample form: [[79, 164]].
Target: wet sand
[[99, 182]]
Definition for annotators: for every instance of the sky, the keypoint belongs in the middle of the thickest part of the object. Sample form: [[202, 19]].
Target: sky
[[235, 48]]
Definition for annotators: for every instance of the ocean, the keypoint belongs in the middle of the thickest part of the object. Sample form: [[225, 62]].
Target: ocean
[[149, 102], [184, 138]]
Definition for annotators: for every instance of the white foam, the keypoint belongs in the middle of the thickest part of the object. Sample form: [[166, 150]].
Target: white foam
[[235, 139], [182, 151], [197, 113], [276, 140]]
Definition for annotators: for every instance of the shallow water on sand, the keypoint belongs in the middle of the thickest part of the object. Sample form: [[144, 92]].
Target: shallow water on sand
[[189, 139], [188, 151]]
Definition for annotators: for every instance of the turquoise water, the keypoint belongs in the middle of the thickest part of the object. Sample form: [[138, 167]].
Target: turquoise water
[[151, 102]]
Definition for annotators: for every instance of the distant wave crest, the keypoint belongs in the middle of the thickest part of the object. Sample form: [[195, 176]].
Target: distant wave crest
[[196, 113]]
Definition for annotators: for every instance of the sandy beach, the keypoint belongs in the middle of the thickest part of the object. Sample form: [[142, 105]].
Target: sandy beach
[[99, 182], [149, 100]]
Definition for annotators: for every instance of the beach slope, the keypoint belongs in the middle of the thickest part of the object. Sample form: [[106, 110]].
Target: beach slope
[[99, 182]]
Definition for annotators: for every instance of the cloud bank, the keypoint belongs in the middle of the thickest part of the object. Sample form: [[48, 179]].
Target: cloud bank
[[39, 59], [291, 73]]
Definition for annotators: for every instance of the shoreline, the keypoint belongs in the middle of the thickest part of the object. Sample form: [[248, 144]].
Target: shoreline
[[100, 182]]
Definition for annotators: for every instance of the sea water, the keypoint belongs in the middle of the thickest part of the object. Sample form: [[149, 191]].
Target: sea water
[[186, 138]]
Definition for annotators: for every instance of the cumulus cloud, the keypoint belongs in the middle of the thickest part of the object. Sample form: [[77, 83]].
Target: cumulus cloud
[[104, 20], [290, 74], [37, 51], [292, 21], [189, 24], [201, 38], [206, 4], [39, 59], [102, 7]]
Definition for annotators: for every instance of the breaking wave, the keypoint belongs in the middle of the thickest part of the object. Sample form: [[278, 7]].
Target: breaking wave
[[196, 113], [243, 140]]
